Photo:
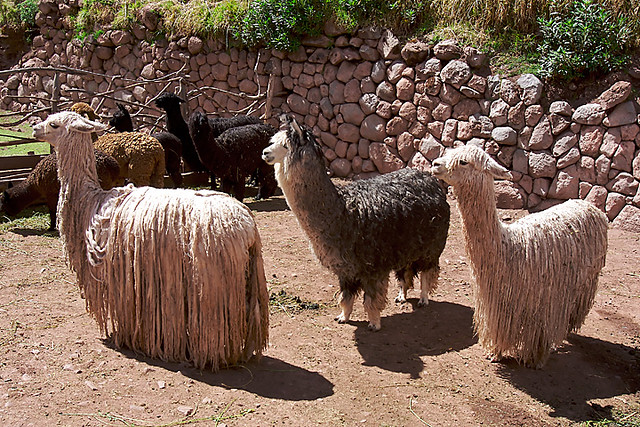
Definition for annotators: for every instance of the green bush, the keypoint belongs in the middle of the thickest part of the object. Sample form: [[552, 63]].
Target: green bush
[[91, 16], [585, 40], [279, 24], [27, 12], [20, 14]]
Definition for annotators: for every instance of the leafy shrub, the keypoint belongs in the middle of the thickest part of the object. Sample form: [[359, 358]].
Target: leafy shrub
[[8, 13], [585, 40], [280, 23], [27, 12], [20, 14], [91, 15]]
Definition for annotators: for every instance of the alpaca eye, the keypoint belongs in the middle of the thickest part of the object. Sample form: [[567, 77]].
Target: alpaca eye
[[464, 163], [53, 125]]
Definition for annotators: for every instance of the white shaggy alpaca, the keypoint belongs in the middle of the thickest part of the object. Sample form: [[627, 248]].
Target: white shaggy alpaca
[[173, 274], [535, 279]]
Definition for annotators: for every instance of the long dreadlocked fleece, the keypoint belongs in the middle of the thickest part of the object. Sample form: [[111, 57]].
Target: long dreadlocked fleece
[[535, 279], [173, 274]]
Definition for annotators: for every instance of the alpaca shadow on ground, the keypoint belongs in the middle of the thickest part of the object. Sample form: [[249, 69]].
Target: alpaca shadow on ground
[[271, 204], [439, 328], [268, 377], [26, 232], [584, 368]]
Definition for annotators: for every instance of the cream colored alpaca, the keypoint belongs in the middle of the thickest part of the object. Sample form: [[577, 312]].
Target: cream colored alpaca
[[173, 274], [535, 279]]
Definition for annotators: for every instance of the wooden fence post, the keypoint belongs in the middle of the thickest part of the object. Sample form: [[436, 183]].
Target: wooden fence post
[[55, 96], [182, 93], [270, 91]]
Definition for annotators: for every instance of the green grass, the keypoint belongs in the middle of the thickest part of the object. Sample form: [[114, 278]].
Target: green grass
[[509, 31], [619, 418], [25, 149], [32, 218], [23, 130]]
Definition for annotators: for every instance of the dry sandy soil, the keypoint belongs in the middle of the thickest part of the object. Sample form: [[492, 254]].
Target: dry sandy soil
[[423, 368]]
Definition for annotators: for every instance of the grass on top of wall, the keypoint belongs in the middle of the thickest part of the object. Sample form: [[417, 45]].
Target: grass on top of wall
[[515, 32]]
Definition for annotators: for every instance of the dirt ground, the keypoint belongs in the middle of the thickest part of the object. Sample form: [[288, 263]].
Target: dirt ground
[[423, 368]]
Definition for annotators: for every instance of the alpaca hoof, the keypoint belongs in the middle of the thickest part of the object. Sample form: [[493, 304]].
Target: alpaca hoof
[[341, 319], [374, 327], [495, 358], [423, 302]]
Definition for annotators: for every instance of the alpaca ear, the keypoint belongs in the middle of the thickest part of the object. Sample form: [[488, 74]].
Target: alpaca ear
[[498, 171], [296, 127], [284, 120], [121, 107], [82, 125]]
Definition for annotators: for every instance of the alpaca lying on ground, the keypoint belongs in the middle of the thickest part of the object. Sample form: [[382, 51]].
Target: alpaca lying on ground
[[535, 279], [121, 121], [173, 274], [141, 157], [366, 229], [235, 153], [43, 184]]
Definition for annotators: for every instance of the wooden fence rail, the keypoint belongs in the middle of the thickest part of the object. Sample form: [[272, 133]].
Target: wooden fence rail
[[58, 102], [15, 168]]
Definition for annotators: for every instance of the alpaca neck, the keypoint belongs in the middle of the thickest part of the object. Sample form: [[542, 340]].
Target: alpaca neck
[[79, 185], [175, 122], [482, 229], [311, 195], [178, 126], [77, 164]]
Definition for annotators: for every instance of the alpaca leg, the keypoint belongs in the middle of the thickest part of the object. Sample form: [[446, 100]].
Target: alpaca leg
[[176, 177], [238, 188], [346, 303], [495, 357], [266, 181], [227, 186], [52, 205], [172, 163], [156, 178], [428, 283], [405, 282], [540, 352], [375, 300]]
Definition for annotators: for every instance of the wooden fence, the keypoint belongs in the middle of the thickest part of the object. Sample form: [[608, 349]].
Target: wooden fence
[[15, 168]]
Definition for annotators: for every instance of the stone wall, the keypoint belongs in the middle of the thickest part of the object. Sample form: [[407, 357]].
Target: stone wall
[[375, 104]]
